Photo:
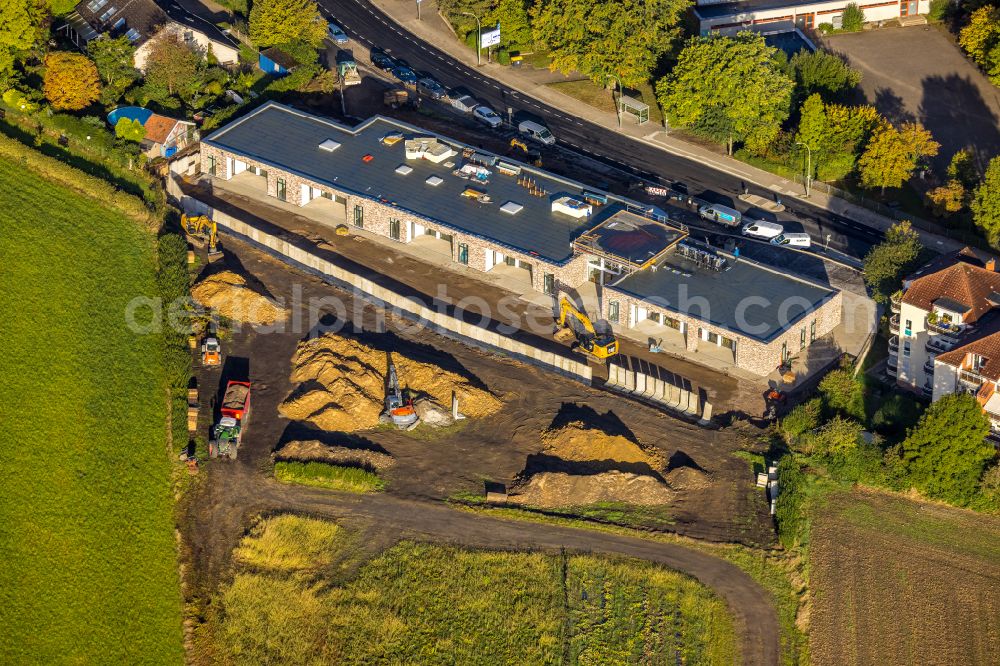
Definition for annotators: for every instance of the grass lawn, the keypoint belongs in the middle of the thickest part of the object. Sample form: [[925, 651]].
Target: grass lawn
[[325, 475], [428, 604], [897, 581], [600, 98], [89, 570]]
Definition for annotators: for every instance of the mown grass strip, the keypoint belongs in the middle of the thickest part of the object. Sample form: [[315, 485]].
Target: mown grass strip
[[325, 475]]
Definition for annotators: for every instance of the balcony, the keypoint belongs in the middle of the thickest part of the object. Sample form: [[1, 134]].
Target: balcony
[[928, 388], [895, 301], [971, 380], [929, 367], [894, 345], [894, 325], [938, 345], [945, 329], [890, 367]]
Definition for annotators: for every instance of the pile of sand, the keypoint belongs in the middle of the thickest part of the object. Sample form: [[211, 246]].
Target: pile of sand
[[342, 385], [579, 442], [310, 450], [557, 489], [687, 478], [228, 293]]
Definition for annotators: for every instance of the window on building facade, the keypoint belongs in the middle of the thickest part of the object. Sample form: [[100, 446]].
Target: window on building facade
[[510, 261], [802, 338], [907, 330], [712, 337], [613, 313], [327, 195], [394, 230], [784, 352], [463, 254], [549, 284], [653, 316], [359, 217], [906, 348], [211, 165], [728, 343], [670, 322], [812, 331], [281, 189]]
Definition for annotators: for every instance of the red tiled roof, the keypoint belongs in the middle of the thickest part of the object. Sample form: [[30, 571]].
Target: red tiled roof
[[158, 128], [987, 347], [963, 280]]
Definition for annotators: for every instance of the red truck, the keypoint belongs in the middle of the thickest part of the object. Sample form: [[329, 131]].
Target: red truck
[[228, 432]]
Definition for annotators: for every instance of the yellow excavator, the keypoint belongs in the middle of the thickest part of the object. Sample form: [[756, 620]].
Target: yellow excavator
[[200, 227], [599, 346], [532, 157]]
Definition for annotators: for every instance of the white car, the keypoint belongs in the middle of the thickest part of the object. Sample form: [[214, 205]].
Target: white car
[[487, 115], [793, 240], [336, 34]]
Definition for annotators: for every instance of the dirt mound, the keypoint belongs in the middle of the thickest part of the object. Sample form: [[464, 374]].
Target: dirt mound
[[687, 478], [556, 489], [229, 294], [310, 450], [342, 385], [236, 396], [579, 442]]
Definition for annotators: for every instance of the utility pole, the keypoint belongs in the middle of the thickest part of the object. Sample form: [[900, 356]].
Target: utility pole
[[809, 162], [618, 104], [479, 38], [418, 10]]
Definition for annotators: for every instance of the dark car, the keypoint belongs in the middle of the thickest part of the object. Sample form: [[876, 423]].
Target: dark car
[[383, 61], [405, 74], [431, 88]]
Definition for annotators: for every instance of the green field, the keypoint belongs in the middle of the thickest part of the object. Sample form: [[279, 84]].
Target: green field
[[433, 604], [325, 475], [89, 571]]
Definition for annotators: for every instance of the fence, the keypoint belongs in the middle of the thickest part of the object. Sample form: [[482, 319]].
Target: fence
[[408, 307], [655, 384]]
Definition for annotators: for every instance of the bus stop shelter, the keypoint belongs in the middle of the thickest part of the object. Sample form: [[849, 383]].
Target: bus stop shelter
[[634, 107]]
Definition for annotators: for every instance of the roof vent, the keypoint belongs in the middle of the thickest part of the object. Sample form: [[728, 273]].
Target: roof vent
[[329, 145], [404, 170], [511, 207], [434, 181]]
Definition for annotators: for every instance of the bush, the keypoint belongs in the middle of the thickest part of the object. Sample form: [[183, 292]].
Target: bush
[[843, 394], [862, 464], [895, 415], [503, 57], [853, 19], [792, 496], [174, 287], [939, 10], [802, 419], [825, 28]]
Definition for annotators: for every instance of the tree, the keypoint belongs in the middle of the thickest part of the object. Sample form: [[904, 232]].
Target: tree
[[601, 39], [986, 203], [945, 454], [728, 88], [801, 419], [843, 394], [893, 155], [71, 81], [947, 199], [887, 263], [512, 15], [114, 58], [171, 64], [853, 18], [23, 23], [838, 436], [824, 73], [130, 130], [836, 134], [981, 35], [962, 168], [275, 22]]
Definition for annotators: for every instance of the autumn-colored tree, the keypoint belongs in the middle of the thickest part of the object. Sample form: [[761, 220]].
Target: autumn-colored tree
[[71, 81], [285, 21], [171, 64], [947, 199], [893, 154], [982, 34], [23, 23], [512, 15]]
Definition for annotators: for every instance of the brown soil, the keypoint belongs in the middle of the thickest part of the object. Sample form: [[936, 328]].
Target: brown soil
[[236, 397], [229, 294], [342, 384], [687, 478], [579, 442], [557, 489], [314, 450]]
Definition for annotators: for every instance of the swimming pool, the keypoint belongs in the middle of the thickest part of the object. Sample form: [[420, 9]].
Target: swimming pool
[[130, 112]]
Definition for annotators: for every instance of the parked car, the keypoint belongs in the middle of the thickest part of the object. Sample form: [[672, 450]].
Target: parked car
[[537, 132], [485, 114], [405, 74], [431, 88], [792, 240], [383, 61], [465, 103], [336, 34], [762, 229]]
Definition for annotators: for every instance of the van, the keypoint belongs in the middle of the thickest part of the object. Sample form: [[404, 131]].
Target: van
[[792, 240], [721, 214], [537, 132], [762, 229], [465, 103]]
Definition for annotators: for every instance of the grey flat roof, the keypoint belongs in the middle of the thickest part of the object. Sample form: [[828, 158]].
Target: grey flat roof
[[633, 237], [746, 298], [289, 140]]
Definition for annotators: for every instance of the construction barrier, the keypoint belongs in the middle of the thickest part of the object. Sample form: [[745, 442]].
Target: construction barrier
[[638, 378], [404, 306]]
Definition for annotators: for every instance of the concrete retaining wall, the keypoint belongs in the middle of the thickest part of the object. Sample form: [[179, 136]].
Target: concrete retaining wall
[[662, 388], [437, 321]]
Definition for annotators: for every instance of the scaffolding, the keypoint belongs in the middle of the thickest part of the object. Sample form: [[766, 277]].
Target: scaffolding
[[637, 108]]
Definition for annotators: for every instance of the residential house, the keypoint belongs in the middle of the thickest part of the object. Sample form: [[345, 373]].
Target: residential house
[[165, 136]]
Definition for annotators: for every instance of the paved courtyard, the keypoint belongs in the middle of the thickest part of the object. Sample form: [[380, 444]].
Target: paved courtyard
[[918, 73]]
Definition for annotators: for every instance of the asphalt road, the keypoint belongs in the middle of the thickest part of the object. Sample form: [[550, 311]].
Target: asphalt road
[[370, 26]]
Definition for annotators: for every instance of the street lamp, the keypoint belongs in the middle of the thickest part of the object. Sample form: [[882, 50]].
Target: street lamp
[[809, 164], [479, 38], [618, 104]]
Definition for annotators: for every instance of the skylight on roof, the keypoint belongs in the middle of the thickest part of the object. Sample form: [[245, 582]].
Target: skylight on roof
[[434, 181], [511, 207], [404, 170], [329, 145]]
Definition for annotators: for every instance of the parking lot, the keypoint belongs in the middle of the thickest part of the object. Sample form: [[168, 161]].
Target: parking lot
[[918, 73]]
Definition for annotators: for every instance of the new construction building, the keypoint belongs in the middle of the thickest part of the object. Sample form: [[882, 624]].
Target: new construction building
[[946, 330], [402, 184]]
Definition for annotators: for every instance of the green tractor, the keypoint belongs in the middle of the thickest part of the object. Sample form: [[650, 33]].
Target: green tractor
[[225, 438]]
